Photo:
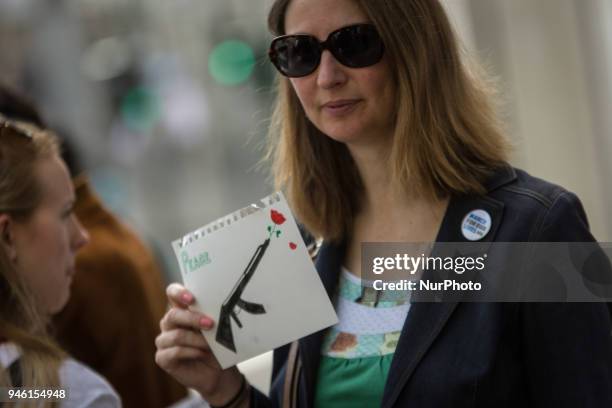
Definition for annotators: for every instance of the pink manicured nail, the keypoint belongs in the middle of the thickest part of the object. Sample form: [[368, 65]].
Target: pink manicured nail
[[186, 297], [206, 322]]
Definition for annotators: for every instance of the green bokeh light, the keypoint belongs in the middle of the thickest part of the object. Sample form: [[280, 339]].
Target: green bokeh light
[[140, 109], [231, 62]]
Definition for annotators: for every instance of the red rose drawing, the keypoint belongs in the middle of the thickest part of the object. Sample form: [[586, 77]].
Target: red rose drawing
[[277, 217], [292, 245]]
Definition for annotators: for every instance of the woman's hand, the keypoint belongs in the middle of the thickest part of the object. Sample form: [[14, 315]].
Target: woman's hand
[[184, 353]]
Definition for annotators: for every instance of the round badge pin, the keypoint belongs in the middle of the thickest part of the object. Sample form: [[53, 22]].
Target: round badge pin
[[476, 225]]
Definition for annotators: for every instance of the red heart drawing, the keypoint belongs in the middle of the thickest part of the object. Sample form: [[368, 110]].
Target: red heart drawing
[[292, 245]]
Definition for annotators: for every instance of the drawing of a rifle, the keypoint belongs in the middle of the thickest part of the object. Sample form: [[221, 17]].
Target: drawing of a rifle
[[224, 330]]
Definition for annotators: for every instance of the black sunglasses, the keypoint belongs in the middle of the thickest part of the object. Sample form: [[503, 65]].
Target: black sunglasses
[[355, 46]]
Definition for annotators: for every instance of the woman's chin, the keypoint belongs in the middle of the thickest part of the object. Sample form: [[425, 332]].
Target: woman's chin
[[354, 138], [59, 304], [341, 134]]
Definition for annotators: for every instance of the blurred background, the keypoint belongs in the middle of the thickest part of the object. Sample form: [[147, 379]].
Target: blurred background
[[168, 101]]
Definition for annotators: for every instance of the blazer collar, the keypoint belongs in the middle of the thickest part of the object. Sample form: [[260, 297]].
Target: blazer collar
[[502, 176], [425, 320]]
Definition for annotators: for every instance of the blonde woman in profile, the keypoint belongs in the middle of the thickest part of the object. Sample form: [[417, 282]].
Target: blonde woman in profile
[[39, 237]]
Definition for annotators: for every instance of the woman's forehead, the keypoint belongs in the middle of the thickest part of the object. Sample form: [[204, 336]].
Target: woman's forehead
[[320, 17], [55, 181]]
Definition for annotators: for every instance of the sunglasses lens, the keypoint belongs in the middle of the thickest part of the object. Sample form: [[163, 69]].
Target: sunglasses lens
[[357, 46], [296, 55]]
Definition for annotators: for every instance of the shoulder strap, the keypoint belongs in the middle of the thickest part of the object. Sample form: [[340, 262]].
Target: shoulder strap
[[294, 363], [292, 377]]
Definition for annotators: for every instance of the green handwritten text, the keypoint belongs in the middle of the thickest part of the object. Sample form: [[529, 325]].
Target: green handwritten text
[[195, 263]]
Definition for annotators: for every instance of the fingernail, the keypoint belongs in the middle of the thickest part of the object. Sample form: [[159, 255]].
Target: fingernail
[[206, 322], [186, 297]]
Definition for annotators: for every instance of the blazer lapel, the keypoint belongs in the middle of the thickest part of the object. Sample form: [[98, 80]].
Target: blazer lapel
[[328, 263], [425, 321]]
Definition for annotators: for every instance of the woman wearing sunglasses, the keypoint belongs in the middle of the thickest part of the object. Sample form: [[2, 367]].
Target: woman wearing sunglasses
[[381, 133], [39, 237]]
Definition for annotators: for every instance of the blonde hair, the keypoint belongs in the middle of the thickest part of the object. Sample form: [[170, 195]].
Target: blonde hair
[[22, 146], [447, 138]]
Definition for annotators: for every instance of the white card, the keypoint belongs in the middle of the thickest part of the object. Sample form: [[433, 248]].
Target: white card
[[251, 272]]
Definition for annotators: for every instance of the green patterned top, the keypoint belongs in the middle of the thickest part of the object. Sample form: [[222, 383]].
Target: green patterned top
[[357, 352]]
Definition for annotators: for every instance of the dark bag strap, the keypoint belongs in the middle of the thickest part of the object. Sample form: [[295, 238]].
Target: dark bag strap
[[292, 377], [294, 363]]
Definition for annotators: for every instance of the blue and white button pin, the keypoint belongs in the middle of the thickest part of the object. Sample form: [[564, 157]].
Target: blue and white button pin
[[476, 225]]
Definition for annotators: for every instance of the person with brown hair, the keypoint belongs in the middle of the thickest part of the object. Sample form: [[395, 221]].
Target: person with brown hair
[[39, 237], [114, 264], [382, 133], [111, 320]]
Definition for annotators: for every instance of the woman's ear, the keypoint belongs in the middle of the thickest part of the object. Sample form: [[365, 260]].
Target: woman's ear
[[7, 237]]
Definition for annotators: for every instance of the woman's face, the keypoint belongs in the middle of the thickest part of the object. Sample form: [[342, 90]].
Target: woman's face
[[46, 244], [350, 105]]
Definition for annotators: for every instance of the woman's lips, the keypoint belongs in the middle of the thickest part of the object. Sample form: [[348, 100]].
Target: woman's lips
[[340, 107]]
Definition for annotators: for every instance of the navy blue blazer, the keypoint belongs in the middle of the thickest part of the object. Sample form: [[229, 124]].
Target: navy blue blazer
[[487, 354]]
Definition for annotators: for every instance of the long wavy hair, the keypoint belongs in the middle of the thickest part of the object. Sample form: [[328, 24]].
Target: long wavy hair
[[22, 147], [447, 138]]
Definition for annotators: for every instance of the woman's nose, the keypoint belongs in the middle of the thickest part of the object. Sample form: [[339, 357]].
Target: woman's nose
[[80, 236], [330, 73]]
